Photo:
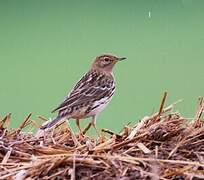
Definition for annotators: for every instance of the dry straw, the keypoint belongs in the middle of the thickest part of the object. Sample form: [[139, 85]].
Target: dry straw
[[164, 145]]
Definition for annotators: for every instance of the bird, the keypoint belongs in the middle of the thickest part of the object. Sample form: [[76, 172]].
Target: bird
[[91, 94]]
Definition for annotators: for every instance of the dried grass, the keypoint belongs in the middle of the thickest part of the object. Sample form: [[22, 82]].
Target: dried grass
[[162, 146]]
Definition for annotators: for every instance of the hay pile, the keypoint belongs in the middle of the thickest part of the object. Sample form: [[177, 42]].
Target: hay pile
[[161, 146]]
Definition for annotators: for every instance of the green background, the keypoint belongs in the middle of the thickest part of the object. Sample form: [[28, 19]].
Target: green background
[[46, 46]]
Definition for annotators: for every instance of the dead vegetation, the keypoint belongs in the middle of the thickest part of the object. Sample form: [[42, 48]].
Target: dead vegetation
[[162, 146]]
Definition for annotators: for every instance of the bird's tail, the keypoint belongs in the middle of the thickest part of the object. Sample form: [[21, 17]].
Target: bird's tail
[[52, 123]]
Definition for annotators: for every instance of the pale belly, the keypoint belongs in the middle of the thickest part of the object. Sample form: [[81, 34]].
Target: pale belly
[[101, 106]]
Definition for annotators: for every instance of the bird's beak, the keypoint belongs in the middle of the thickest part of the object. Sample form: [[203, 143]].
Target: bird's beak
[[121, 59]]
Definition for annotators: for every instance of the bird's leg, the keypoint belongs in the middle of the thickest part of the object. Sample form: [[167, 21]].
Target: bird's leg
[[78, 125], [93, 123]]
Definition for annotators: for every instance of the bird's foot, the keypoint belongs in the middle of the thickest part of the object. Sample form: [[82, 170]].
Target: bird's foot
[[81, 135]]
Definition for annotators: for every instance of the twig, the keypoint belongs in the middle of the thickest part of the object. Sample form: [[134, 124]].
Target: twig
[[162, 104], [73, 174], [4, 120], [86, 128], [111, 133]]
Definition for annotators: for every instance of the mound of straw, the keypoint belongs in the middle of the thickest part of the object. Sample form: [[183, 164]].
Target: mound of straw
[[163, 146]]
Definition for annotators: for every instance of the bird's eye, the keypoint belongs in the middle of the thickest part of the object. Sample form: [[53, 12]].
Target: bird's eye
[[106, 60]]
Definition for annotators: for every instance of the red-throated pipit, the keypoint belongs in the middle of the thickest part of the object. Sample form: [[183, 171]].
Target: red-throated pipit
[[90, 95]]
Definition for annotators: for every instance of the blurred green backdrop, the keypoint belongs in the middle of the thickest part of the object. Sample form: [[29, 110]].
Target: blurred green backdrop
[[47, 45]]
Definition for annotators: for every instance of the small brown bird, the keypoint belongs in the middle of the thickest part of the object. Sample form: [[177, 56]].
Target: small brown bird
[[90, 95]]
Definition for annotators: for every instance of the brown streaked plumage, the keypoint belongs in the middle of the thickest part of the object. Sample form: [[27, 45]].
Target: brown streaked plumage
[[90, 95]]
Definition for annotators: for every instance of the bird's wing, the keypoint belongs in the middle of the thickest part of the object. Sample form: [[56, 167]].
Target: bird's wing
[[92, 86]]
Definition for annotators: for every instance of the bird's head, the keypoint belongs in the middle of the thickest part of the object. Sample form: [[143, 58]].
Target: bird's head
[[106, 62]]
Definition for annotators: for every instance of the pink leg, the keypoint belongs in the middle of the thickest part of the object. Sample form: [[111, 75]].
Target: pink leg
[[93, 123], [78, 125]]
